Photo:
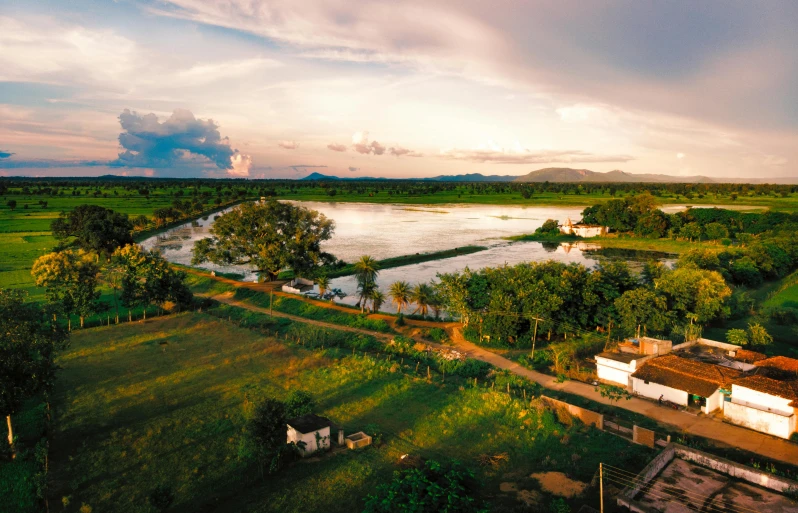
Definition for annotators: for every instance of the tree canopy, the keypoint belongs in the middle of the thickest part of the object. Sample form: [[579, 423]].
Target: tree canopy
[[29, 339], [95, 228], [435, 488], [268, 236], [71, 279], [147, 278]]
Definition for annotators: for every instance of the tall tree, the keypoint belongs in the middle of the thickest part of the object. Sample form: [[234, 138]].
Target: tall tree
[[324, 283], [694, 293], [423, 296], [400, 293], [366, 271], [95, 228], [268, 236], [377, 299], [71, 279], [29, 339], [147, 278]]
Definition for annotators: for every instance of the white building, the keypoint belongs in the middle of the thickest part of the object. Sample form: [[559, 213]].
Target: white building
[[311, 430], [618, 367], [684, 381], [768, 400], [298, 286], [582, 230]]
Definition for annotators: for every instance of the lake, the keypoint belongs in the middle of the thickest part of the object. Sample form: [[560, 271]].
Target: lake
[[384, 231]]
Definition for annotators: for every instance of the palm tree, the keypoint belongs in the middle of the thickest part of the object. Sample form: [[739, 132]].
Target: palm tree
[[366, 271], [377, 299], [324, 283], [422, 297], [400, 293]]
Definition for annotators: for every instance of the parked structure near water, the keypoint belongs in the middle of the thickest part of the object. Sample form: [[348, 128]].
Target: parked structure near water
[[298, 286], [582, 230]]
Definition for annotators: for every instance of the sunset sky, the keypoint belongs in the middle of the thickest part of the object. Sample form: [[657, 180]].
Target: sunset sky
[[397, 88]]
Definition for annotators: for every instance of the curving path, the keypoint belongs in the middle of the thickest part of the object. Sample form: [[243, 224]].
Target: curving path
[[710, 428]]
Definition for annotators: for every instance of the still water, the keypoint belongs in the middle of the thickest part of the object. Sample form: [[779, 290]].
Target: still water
[[384, 231]]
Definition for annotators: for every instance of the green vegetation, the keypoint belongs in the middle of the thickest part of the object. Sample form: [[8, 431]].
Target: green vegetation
[[387, 263], [135, 407], [268, 236], [309, 311]]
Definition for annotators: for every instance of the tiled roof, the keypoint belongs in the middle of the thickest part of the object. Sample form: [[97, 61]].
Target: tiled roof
[[691, 376], [779, 362], [770, 386], [746, 356]]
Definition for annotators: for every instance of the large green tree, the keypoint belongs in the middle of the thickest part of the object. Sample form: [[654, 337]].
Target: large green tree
[[366, 271], [694, 293], [147, 278], [94, 228], [70, 279], [29, 339], [269, 237], [643, 308]]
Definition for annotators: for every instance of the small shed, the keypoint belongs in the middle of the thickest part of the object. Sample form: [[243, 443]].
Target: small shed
[[298, 286], [582, 230], [312, 430]]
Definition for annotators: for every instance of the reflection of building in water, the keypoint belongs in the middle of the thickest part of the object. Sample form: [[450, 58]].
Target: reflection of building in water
[[581, 246], [582, 230]]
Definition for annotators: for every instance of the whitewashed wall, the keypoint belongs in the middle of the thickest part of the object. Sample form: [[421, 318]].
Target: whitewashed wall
[[714, 402], [767, 422], [611, 370], [760, 400], [654, 391], [310, 439]]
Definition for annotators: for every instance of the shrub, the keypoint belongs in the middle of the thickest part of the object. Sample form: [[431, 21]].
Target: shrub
[[437, 334], [162, 497]]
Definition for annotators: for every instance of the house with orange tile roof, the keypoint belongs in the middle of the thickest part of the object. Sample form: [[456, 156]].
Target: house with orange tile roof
[[767, 400]]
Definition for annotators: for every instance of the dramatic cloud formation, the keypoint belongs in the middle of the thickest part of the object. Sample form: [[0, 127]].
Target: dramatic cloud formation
[[530, 157], [399, 152], [177, 142], [353, 169], [288, 145], [5, 154], [361, 144], [336, 147]]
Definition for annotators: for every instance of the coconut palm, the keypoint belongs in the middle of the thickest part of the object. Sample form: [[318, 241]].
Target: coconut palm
[[422, 296], [366, 271], [324, 283], [377, 299], [400, 293]]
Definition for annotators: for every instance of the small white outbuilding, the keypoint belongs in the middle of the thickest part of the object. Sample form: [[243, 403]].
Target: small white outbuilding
[[310, 432]]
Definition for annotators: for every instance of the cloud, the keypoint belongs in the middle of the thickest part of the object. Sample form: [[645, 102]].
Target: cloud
[[240, 165], [288, 145], [5, 154], [361, 144], [399, 151], [499, 156], [680, 156], [353, 169], [336, 147], [303, 167], [180, 141]]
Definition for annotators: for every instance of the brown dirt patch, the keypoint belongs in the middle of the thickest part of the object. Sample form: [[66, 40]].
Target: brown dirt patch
[[530, 498], [508, 487], [559, 484]]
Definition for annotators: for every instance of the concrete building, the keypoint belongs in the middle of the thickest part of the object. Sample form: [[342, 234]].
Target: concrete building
[[684, 381], [767, 399], [310, 432], [582, 230], [617, 368], [298, 286]]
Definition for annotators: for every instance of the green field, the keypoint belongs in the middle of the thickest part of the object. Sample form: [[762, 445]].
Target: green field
[[164, 402], [25, 232]]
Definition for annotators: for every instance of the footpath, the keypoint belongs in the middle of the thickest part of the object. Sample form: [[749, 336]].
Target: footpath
[[702, 426]]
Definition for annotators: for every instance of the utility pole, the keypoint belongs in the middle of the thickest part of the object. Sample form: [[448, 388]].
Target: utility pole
[[601, 485], [535, 336]]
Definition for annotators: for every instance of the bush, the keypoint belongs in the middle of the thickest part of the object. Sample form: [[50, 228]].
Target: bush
[[162, 497], [437, 334], [784, 316]]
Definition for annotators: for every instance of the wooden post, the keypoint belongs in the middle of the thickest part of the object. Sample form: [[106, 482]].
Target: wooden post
[[11, 437], [129, 316], [417, 364], [601, 485], [534, 337], [271, 301], [429, 375]]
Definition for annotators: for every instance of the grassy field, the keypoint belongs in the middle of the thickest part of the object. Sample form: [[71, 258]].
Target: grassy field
[[461, 194], [25, 232], [409, 260], [164, 402]]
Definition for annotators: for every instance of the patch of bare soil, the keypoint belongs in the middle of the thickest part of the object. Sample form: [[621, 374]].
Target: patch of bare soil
[[530, 498], [508, 487], [559, 484]]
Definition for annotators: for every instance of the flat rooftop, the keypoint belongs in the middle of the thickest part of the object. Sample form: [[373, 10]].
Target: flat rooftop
[[684, 487]]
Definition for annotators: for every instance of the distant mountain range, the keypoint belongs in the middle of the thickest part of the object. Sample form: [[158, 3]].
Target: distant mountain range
[[567, 174]]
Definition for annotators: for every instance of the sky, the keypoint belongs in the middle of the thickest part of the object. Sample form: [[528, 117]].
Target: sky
[[396, 88]]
